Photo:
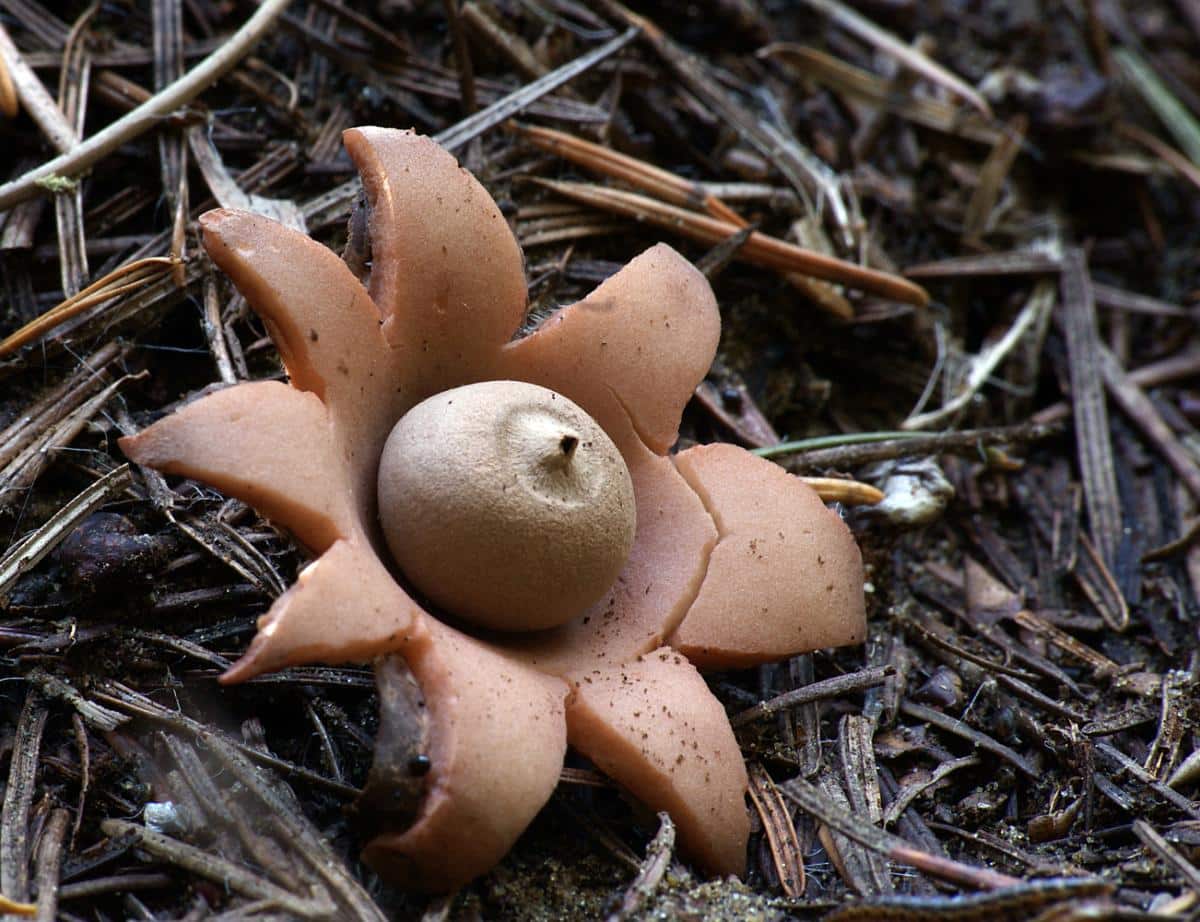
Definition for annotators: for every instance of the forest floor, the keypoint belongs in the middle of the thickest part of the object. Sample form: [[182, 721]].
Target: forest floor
[[1018, 376]]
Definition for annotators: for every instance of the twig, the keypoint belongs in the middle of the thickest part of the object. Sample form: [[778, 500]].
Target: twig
[[18, 798], [1121, 762], [1167, 853], [970, 440], [809, 799], [462, 56], [780, 831], [658, 859], [1035, 899], [817, 691], [223, 872], [980, 740], [149, 114], [1093, 439]]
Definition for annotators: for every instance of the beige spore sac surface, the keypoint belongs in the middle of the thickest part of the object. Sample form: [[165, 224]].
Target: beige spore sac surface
[[506, 504]]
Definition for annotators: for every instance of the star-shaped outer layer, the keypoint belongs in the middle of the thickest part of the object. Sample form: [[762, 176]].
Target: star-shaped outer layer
[[735, 561]]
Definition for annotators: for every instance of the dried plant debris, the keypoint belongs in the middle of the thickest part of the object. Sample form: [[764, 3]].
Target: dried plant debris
[[954, 255]]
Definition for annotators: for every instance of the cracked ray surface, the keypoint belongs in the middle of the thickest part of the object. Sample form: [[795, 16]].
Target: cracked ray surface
[[785, 574]]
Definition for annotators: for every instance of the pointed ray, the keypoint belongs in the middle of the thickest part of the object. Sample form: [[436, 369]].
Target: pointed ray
[[786, 575], [322, 321], [264, 443], [647, 335], [497, 740], [446, 270], [653, 725], [345, 607]]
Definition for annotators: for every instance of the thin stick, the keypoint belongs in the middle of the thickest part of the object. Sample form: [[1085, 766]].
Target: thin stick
[[811, 801], [826, 688], [150, 113], [915, 444], [760, 249]]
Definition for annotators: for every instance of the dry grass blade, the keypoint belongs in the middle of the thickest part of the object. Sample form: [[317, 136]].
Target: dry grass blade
[[36, 99], [1121, 762], [860, 777], [334, 205], [1062, 899], [908, 56], [18, 799], [55, 403], [1167, 853], [28, 463], [807, 174], [226, 190], [1173, 114], [780, 831], [816, 691], [814, 802], [981, 366], [855, 453], [1142, 413], [769, 252], [991, 179], [49, 863], [122, 280], [843, 77], [671, 188], [1015, 262], [148, 115], [1101, 665], [223, 872], [645, 176], [132, 702], [911, 792], [847, 492], [979, 739], [651, 872], [1093, 439], [9, 107], [1179, 163]]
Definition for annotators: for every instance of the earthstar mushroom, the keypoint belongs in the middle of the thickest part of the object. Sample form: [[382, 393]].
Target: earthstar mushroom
[[733, 561]]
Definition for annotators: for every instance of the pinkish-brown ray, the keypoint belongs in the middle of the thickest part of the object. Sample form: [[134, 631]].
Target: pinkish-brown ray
[[498, 737], [653, 725], [345, 607], [786, 576], [286, 463], [446, 271], [326, 328], [646, 335]]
